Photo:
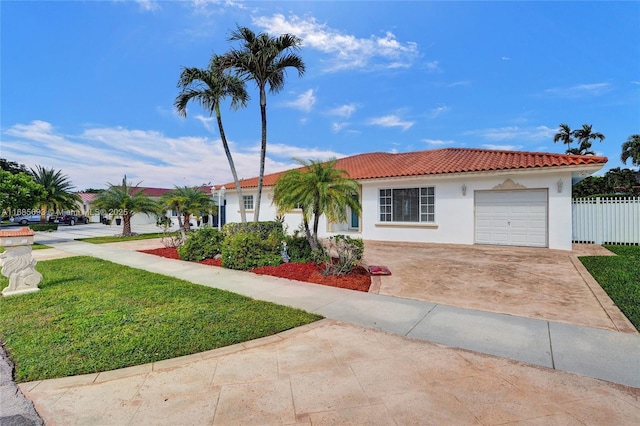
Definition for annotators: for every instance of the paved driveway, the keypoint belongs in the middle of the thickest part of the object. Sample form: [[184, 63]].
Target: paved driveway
[[530, 282]]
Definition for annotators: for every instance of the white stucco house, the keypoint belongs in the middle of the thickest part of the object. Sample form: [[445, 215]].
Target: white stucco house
[[453, 195]]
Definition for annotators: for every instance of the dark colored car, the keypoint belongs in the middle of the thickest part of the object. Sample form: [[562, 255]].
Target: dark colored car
[[72, 219]]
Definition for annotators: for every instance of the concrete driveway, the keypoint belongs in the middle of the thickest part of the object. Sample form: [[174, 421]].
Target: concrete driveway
[[530, 282]]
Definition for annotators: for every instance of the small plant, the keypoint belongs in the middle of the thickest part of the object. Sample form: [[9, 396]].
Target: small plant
[[341, 255], [205, 243], [170, 239]]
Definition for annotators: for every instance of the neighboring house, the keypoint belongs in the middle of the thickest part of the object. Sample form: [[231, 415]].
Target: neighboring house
[[87, 208], [453, 195]]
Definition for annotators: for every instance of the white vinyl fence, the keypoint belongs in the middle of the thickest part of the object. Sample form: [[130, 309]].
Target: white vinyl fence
[[606, 220]]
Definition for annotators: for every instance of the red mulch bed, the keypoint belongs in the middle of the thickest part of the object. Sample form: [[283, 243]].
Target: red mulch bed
[[359, 279]]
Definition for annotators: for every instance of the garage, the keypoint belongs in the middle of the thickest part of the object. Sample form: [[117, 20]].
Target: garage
[[511, 218]]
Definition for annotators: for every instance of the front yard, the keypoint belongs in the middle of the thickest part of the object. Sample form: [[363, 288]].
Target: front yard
[[92, 315], [619, 276]]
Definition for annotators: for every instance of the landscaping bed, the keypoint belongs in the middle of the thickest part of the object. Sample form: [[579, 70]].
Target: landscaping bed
[[359, 279]]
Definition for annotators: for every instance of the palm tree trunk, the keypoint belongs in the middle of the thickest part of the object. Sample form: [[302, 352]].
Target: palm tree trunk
[[187, 221], [126, 224], [263, 150], [180, 225], [43, 213], [227, 151]]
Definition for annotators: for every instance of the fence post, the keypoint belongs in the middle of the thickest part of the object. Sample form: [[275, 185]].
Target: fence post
[[599, 224]]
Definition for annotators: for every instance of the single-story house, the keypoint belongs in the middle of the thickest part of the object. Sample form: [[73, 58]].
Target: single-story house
[[452, 195]]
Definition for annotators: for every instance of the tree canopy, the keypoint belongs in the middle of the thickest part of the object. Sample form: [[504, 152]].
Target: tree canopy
[[58, 195], [187, 200], [585, 136], [18, 191], [318, 188], [631, 150], [125, 200], [209, 87]]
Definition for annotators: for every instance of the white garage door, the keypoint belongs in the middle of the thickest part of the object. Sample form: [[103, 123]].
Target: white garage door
[[512, 218]]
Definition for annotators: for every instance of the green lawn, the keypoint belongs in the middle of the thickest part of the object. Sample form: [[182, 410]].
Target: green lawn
[[93, 315], [619, 276], [116, 239]]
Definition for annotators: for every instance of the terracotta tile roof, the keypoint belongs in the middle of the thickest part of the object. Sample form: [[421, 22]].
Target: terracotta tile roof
[[87, 197], [22, 232], [377, 165]]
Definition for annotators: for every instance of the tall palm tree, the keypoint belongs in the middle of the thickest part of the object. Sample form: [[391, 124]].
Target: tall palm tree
[[57, 194], [125, 200], [319, 189], [564, 135], [263, 59], [585, 136], [186, 200], [209, 87], [631, 150]]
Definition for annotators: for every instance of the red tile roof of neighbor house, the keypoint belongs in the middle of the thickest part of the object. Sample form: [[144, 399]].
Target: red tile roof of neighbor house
[[442, 161]]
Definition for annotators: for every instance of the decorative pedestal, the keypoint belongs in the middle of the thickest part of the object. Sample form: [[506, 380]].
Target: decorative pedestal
[[18, 263]]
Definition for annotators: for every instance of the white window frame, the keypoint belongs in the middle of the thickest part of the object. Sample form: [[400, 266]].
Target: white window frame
[[248, 202], [387, 209]]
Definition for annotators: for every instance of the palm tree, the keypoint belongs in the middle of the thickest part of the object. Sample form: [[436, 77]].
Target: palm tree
[[318, 188], [564, 135], [125, 200], [585, 136], [208, 87], [186, 200], [631, 150], [263, 59], [57, 194]]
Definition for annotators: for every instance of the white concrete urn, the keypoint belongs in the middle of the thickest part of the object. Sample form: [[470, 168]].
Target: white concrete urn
[[18, 263]]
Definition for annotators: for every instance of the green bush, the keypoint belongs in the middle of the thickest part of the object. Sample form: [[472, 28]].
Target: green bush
[[246, 251], [264, 229], [298, 248], [204, 243], [44, 227]]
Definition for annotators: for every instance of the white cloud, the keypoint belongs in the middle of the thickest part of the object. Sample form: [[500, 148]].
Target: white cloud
[[206, 121], [105, 154], [304, 102], [502, 147], [436, 112], [346, 51], [391, 121], [515, 132], [148, 5], [438, 142], [433, 66], [580, 90], [336, 127], [343, 110]]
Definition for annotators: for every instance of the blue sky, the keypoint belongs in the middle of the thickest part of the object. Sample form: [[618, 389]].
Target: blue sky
[[88, 87]]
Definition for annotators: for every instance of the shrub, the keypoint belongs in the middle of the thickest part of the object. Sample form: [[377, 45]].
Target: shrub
[[248, 250], [44, 227], [204, 243], [298, 248], [341, 255], [264, 229]]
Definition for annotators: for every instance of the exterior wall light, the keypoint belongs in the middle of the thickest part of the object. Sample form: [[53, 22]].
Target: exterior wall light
[[464, 189], [559, 184]]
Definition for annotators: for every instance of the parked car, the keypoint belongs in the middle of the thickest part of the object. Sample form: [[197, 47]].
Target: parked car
[[72, 219], [25, 219]]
